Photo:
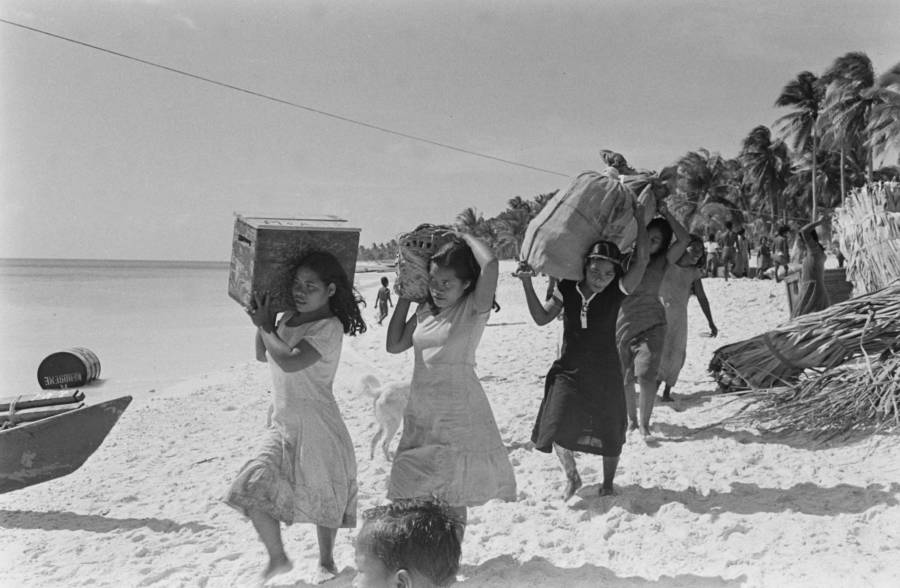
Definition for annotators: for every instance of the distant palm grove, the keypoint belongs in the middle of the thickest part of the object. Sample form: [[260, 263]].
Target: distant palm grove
[[838, 125]]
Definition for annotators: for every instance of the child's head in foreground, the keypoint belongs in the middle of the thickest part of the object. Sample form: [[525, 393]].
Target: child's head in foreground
[[408, 544]]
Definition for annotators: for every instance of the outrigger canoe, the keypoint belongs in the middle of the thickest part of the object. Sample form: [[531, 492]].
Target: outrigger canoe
[[49, 442]]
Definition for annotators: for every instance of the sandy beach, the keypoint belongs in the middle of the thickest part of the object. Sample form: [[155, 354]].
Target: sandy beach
[[713, 505]]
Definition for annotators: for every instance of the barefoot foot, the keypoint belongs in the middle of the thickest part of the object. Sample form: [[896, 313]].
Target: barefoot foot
[[571, 487], [604, 491], [667, 398], [646, 436], [325, 573], [277, 566]]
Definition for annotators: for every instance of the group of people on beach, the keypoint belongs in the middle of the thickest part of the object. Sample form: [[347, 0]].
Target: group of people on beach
[[624, 334]]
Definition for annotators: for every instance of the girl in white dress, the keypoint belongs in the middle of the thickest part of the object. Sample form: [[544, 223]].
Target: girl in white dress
[[450, 448], [306, 469]]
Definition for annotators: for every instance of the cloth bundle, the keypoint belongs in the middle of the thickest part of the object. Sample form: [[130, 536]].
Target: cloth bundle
[[596, 206], [416, 248]]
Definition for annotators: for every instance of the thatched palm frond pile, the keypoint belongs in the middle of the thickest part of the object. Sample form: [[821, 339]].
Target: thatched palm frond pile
[[860, 397], [869, 235], [868, 324]]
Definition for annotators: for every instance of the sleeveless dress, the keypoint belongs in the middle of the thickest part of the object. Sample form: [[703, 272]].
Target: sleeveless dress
[[674, 292], [812, 294], [450, 447], [642, 319], [305, 471], [584, 397]]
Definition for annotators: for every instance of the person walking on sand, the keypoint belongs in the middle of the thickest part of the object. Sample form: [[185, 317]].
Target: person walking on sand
[[682, 279], [712, 256], [306, 469], [729, 249], [641, 325], [763, 258], [450, 448], [812, 294], [781, 254], [383, 299], [584, 399]]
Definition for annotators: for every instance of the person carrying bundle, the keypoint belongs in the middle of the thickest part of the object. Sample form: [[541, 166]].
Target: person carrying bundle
[[584, 403], [813, 295], [682, 279], [451, 448], [641, 326]]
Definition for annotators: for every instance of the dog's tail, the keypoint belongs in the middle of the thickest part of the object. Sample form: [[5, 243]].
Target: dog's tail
[[368, 384]]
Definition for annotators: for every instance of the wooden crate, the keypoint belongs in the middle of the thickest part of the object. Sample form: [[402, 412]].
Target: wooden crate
[[265, 252]]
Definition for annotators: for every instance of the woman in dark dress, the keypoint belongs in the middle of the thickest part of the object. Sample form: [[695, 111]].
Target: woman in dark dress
[[584, 400]]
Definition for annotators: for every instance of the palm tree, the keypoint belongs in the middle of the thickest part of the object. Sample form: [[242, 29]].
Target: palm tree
[[511, 225], [538, 203], [766, 166], [845, 112], [884, 121], [705, 189], [804, 95], [470, 221]]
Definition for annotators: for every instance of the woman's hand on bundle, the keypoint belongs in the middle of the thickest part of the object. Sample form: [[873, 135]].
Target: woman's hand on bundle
[[261, 313], [523, 271], [662, 208]]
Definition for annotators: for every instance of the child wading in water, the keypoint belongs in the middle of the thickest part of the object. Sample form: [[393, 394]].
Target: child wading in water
[[409, 544], [306, 471], [682, 279], [584, 401], [641, 326], [383, 300], [450, 447]]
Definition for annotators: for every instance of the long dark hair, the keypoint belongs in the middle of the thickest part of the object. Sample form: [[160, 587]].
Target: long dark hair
[[344, 302], [458, 256], [665, 229]]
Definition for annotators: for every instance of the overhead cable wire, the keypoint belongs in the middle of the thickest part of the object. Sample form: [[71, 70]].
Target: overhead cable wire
[[287, 102]]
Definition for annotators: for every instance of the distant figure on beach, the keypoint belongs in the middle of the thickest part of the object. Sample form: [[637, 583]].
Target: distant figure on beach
[[781, 253], [742, 254], [450, 448], [306, 469], [682, 279], [410, 544], [712, 256], [584, 397], [763, 258], [729, 249], [383, 299], [812, 294], [641, 326]]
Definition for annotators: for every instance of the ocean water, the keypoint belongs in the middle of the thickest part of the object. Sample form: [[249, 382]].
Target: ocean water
[[151, 324]]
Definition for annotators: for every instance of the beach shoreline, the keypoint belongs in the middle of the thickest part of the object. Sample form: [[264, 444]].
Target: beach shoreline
[[716, 504]]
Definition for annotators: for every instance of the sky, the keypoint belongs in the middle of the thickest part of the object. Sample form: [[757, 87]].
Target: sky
[[102, 157]]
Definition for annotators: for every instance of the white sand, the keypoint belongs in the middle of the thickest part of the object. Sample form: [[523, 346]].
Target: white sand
[[717, 506]]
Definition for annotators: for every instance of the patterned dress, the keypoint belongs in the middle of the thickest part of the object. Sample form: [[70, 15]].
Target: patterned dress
[[584, 397], [641, 326], [813, 296], [674, 293], [450, 447], [305, 471]]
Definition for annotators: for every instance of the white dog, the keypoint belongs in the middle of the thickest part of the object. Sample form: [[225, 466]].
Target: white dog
[[389, 403]]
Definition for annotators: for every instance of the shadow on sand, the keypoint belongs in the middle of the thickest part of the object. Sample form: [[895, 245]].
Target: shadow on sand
[[746, 499], [505, 570], [70, 521], [796, 440]]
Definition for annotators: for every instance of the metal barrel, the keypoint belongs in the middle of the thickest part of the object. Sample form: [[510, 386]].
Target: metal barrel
[[68, 368]]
